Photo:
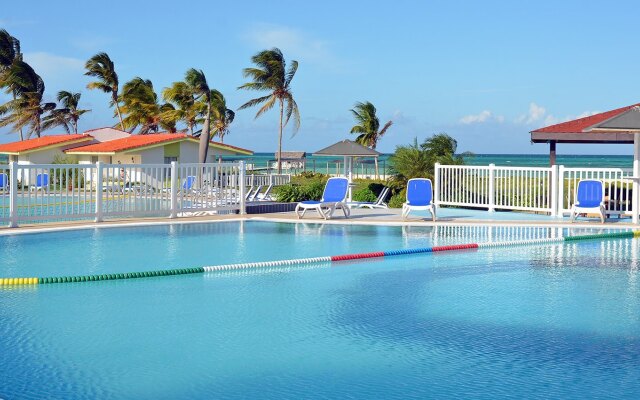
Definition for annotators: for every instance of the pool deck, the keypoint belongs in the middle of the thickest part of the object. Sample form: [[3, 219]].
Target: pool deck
[[446, 216]]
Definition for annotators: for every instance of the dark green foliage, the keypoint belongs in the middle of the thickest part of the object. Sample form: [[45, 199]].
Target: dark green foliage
[[418, 160], [397, 199], [364, 194], [302, 189], [368, 193]]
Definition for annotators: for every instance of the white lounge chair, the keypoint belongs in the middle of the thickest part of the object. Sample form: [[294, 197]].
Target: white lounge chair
[[419, 197], [333, 197], [379, 203], [589, 199]]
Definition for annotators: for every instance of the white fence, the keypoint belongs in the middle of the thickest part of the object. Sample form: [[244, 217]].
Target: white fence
[[56, 192], [540, 189]]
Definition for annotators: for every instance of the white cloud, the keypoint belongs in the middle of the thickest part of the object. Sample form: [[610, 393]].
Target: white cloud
[[483, 116], [293, 42], [538, 114]]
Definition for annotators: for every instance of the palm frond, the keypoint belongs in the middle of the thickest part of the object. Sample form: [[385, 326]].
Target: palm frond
[[267, 106], [255, 102]]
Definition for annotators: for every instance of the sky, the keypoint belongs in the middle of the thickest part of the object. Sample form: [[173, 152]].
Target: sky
[[485, 72]]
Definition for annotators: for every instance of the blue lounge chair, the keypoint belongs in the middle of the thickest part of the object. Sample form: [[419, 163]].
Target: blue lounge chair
[[4, 183], [419, 197], [42, 182], [334, 196], [188, 184], [589, 199]]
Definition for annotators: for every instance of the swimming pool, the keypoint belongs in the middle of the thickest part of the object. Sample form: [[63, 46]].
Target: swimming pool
[[559, 321]]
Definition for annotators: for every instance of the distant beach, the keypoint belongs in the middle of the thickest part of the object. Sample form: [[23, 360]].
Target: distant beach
[[260, 160]]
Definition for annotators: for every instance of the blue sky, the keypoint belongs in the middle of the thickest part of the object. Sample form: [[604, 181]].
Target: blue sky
[[485, 72]]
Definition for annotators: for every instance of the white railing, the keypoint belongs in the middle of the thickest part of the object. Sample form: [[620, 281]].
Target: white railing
[[618, 185], [57, 192], [491, 187], [266, 180], [539, 189]]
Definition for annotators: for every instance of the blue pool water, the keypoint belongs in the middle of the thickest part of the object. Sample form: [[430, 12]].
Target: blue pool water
[[560, 321]]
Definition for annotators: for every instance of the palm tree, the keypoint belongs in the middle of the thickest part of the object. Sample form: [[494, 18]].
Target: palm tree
[[417, 161], [368, 126], [222, 117], [68, 115], [441, 148], [27, 108], [197, 82], [140, 108], [101, 67], [410, 161], [9, 53], [185, 107], [271, 74]]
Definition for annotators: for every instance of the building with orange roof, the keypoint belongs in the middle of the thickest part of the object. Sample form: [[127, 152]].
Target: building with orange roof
[[111, 146]]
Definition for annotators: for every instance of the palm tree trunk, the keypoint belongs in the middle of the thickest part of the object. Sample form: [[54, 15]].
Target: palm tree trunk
[[204, 137], [375, 161], [115, 101], [280, 138]]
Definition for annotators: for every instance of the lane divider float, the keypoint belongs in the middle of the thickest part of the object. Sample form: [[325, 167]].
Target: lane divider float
[[311, 260]]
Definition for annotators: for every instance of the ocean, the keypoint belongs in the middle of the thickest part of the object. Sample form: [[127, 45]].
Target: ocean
[[261, 160]]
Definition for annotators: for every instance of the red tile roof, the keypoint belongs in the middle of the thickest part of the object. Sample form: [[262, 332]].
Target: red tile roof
[[42, 142], [579, 125], [138, 141], [128, 143]]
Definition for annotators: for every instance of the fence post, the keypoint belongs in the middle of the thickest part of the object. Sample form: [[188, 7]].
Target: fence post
[[13, 199], [492, 187], [553, 177], [635, 195], [99, 179], [174, 190], [560, 204], [436, 184], [241, 183]]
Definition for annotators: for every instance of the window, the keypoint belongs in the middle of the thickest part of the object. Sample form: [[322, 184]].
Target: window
[[169, 160]]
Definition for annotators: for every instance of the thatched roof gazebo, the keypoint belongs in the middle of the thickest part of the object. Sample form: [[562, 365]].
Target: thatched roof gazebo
[[348, 149]]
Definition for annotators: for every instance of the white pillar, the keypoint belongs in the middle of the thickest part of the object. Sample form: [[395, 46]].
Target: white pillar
[[560, 189], [492, 187], [174, 190], [99, 179], [635, 207], [436, 184], [553, 177], [241, 188], [350, 178], [13, 195]]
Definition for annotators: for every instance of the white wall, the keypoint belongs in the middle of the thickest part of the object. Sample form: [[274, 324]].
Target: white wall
[[188, 152]]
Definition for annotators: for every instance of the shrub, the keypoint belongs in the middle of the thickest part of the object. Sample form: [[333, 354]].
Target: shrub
[[398, 199], [313, 190], [311, 174], [364, 194], [288, 193]]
